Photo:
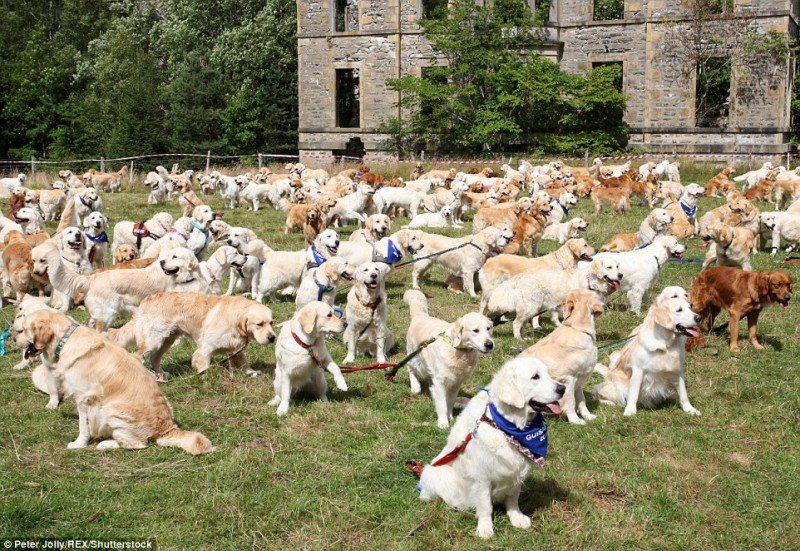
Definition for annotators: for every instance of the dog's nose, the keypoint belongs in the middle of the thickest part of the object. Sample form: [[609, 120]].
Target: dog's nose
[[489, 345], [229, 242], [336, 242], [697, 318], [271, 337], [619, 276], [560, 389]]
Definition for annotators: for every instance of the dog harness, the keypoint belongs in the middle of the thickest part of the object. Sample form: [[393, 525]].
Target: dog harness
[[564, 209], [65, 337], [689, 211], [85, 204], [321, 289], [393, 254], [140, 231], [97, 240], [204, 231], [530, 442]]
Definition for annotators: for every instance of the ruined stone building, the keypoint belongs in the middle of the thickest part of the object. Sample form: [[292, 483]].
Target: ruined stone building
[[348, 48]]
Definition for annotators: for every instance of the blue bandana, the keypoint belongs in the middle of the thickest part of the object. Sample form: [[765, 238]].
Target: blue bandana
[[689, 211], [318, 258], [393, 254], [563, 208], [321, 289], [102, 238], [533, 438], [3, 338]]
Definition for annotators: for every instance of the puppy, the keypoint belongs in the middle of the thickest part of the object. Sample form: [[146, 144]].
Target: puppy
[[125, 253], [319, 284], [493, 444], [301, 355], [366, 312], [218, 325], [118, 400], [740, 294], [449, 360], [649, 370], [570, 352]]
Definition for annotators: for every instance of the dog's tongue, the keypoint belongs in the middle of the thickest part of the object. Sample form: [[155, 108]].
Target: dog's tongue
[[615, 285], [693, 331], [784, 305], [554, 407]]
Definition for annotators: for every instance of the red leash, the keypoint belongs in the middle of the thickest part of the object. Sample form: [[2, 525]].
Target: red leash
[[368, 367]]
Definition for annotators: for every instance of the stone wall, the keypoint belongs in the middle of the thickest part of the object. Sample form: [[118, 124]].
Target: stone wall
[[660, 92]]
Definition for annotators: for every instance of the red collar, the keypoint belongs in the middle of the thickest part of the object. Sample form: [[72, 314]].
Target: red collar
[[373, 305], [299, 341]]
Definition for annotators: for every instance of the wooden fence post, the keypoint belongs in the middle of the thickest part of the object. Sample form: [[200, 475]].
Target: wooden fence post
[[586, 158], [102, 164], [130, 174], [259, 162], [208, 161], [33, 166]]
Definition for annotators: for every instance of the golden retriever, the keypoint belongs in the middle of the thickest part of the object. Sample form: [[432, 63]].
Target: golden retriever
[[118, 400]]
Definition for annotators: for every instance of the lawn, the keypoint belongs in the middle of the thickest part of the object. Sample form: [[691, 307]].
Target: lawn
[[331, 475]]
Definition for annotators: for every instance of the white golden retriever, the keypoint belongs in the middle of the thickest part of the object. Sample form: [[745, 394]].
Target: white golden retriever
[[366, 312], [301, 355], [494, 462], [649, 370], [448, 361]]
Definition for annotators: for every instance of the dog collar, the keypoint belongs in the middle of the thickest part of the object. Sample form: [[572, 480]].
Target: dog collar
[[587, 333], [85, 204], [102, 238], [65, 337], [198, 227], [658, 262], [300, 342], [564, 209], [689, 211], [374, 304], [210, 273], [184, 235]]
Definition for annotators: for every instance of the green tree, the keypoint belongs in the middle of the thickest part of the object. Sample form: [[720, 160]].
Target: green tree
[[495, 93]]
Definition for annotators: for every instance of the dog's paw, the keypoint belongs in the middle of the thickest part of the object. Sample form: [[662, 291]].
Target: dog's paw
[[691, 411], [76, 444], [348, 359], [589, 417], [485, 531], [518, 520], [52, 404], [282, 410], [577, 421], [253, 373], [443, 424], [275, 401], [341, 385], [629, 412]]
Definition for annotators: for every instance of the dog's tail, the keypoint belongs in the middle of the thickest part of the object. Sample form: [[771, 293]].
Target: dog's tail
[[67, 214], [741, 178], [191, 442], [40, 379], [417, 303], [285, 205], [124, 336]]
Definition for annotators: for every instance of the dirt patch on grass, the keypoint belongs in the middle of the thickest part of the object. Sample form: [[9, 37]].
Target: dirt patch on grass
[[740, 459], [610, 500]]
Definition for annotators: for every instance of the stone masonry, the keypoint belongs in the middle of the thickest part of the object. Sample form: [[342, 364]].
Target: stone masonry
[[388, 43]]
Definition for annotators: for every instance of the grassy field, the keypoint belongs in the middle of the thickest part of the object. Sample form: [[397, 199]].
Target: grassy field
[[332, 476]]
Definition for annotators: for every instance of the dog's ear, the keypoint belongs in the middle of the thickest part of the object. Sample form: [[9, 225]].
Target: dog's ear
[[505, 389], [384, 268], [241, 325], [598, 308], [307, 318], [661, 316], [762, 282], [569, 306], [457, 334], [42, 334]]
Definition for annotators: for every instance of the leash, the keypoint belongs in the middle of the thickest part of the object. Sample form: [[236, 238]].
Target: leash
[[434, 255], [393, 367], [617, 343]]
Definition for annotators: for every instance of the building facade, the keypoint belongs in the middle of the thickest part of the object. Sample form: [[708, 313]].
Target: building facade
[[347, 50]]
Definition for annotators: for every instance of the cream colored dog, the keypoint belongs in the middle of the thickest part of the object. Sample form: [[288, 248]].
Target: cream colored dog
[[490, 469], [531, 294], [649, 370], [505, 266], [731, 246], [376, 227], [449, 360], [468, 257], [570, 352], [301, 355], [118, 399], [561, 232], [320, 283], [366, 312], [219, 325]]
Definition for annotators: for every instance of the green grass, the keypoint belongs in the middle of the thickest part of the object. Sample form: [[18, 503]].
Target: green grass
[[332, 475]]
